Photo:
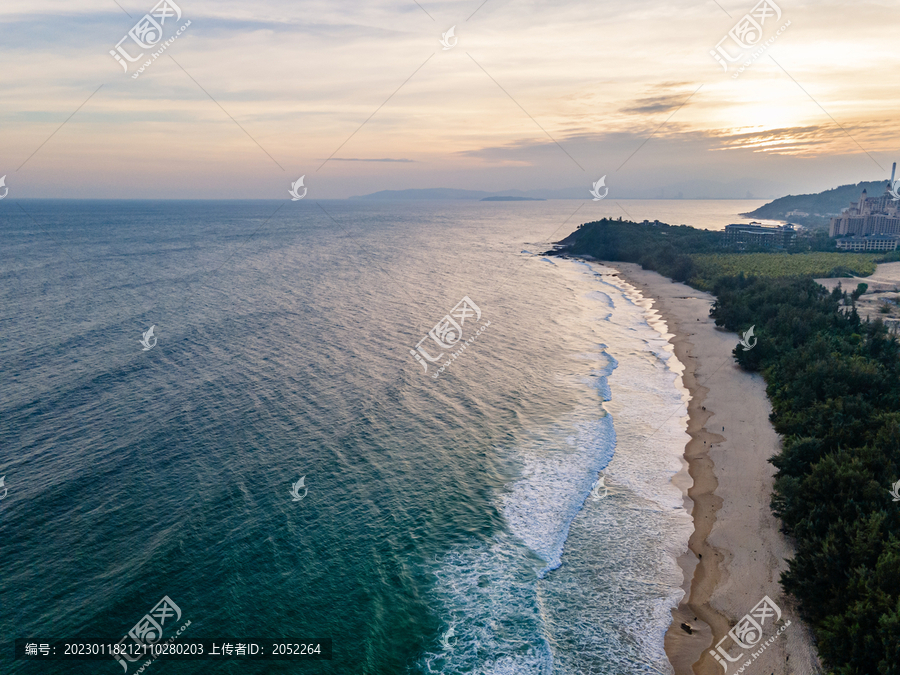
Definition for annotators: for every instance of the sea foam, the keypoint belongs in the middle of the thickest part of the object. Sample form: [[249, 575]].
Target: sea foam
[[500, 597]]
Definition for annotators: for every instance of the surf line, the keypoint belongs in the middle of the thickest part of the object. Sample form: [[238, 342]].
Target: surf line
[[459, 351]]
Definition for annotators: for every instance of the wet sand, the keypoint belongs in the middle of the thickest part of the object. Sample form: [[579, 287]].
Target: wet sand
[[737, 552]]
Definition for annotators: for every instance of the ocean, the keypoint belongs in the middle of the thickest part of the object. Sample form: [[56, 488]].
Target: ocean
[[449, 520]]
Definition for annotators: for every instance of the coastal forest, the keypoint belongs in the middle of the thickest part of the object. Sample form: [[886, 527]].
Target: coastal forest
[[834, 384], [700, 257]]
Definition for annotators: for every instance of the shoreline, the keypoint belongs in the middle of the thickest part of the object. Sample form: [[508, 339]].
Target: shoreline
[[736, 552]]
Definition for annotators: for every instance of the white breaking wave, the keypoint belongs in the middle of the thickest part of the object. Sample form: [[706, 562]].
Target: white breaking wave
[[497, 600]]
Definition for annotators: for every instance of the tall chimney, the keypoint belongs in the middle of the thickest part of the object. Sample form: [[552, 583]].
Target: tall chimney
[[893, 172]]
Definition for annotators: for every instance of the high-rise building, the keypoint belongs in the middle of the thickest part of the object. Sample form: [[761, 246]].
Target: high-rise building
[[869, 215]]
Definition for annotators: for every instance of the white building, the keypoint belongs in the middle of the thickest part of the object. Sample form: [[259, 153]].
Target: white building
[[869, 242]]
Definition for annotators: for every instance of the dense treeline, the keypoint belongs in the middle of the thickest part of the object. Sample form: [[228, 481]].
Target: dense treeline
[[834, 384], [699, 257], [664, 248]]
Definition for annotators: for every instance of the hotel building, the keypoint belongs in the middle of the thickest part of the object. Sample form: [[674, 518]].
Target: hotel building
[[869, 215]]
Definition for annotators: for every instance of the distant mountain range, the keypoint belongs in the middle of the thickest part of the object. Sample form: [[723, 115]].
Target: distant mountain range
[[513, 199], [693, 189], [820, 206], [452, 193]]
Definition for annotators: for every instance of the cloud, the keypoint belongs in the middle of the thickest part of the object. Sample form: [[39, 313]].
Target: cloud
[[297, 78], [810, 140], [355, 159], [656, 104]]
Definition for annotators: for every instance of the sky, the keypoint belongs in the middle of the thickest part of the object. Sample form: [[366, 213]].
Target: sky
[[363, 96]]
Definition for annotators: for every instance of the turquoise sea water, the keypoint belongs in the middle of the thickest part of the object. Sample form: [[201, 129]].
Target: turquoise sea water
[[448, 526]]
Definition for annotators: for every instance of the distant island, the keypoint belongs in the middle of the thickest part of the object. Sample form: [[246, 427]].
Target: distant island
[[815, 210], [691, 190], [811, 210], [480, 195], [512, 199]]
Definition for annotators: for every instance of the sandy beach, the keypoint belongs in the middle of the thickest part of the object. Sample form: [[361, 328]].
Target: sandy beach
[[737, 552]]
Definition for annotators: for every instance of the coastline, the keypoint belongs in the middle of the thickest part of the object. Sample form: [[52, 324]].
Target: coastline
[[736, 553]]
